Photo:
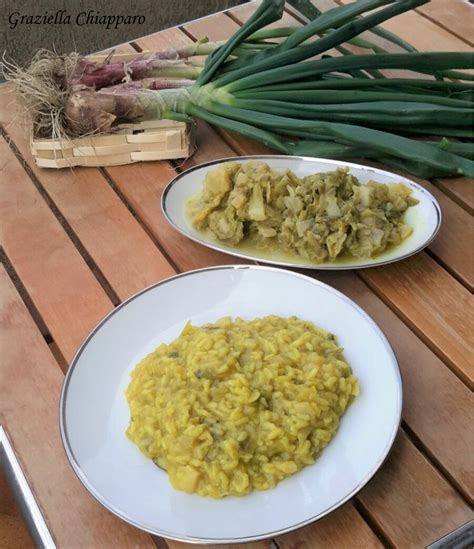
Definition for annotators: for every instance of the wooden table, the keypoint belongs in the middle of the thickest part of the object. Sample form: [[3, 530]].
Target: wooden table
[[78, 242]]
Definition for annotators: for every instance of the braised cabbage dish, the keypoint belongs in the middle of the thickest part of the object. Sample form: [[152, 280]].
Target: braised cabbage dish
[[319, 217], [239, 405]]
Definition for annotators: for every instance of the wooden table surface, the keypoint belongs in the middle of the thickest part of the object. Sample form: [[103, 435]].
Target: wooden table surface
[[76, 243]]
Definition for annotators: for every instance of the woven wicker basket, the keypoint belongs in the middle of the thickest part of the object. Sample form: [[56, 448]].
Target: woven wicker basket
[[128, 143], [150, 140]]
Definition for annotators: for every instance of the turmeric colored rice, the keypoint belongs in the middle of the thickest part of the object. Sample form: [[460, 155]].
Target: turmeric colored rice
[[239, 405]]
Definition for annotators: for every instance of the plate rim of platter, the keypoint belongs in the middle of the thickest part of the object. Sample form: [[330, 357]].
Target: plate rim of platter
[[402, 251], [379, 339]]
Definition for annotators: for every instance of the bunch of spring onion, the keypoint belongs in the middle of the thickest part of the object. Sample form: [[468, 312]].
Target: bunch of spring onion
[[47, 86], [298, 99]]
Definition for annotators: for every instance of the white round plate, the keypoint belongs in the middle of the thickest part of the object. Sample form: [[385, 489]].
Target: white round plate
[[425, 217], [94, 413]]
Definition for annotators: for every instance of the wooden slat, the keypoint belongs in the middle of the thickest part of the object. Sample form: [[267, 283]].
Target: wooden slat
[[222, 29], [142, 187], [203, 133], [455, 16], [163, 40], [118, 245], [433, 304], [460, 189], [7, 501], [456, 230], [30, 383], [410, 501], [243, 147], [13, 532], [64, 290], [343, 529], [256, 545], [422, 33], [119, 51]]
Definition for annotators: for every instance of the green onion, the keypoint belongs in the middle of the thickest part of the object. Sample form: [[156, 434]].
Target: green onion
[[421, 62], [311, 12], [353, 83], [339, 97], [393, 112], [383, 142]]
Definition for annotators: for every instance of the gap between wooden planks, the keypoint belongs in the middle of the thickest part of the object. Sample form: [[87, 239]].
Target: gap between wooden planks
[[455, 16]]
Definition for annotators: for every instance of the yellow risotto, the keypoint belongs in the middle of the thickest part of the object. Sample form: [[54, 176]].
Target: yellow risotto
[[239, 404]]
